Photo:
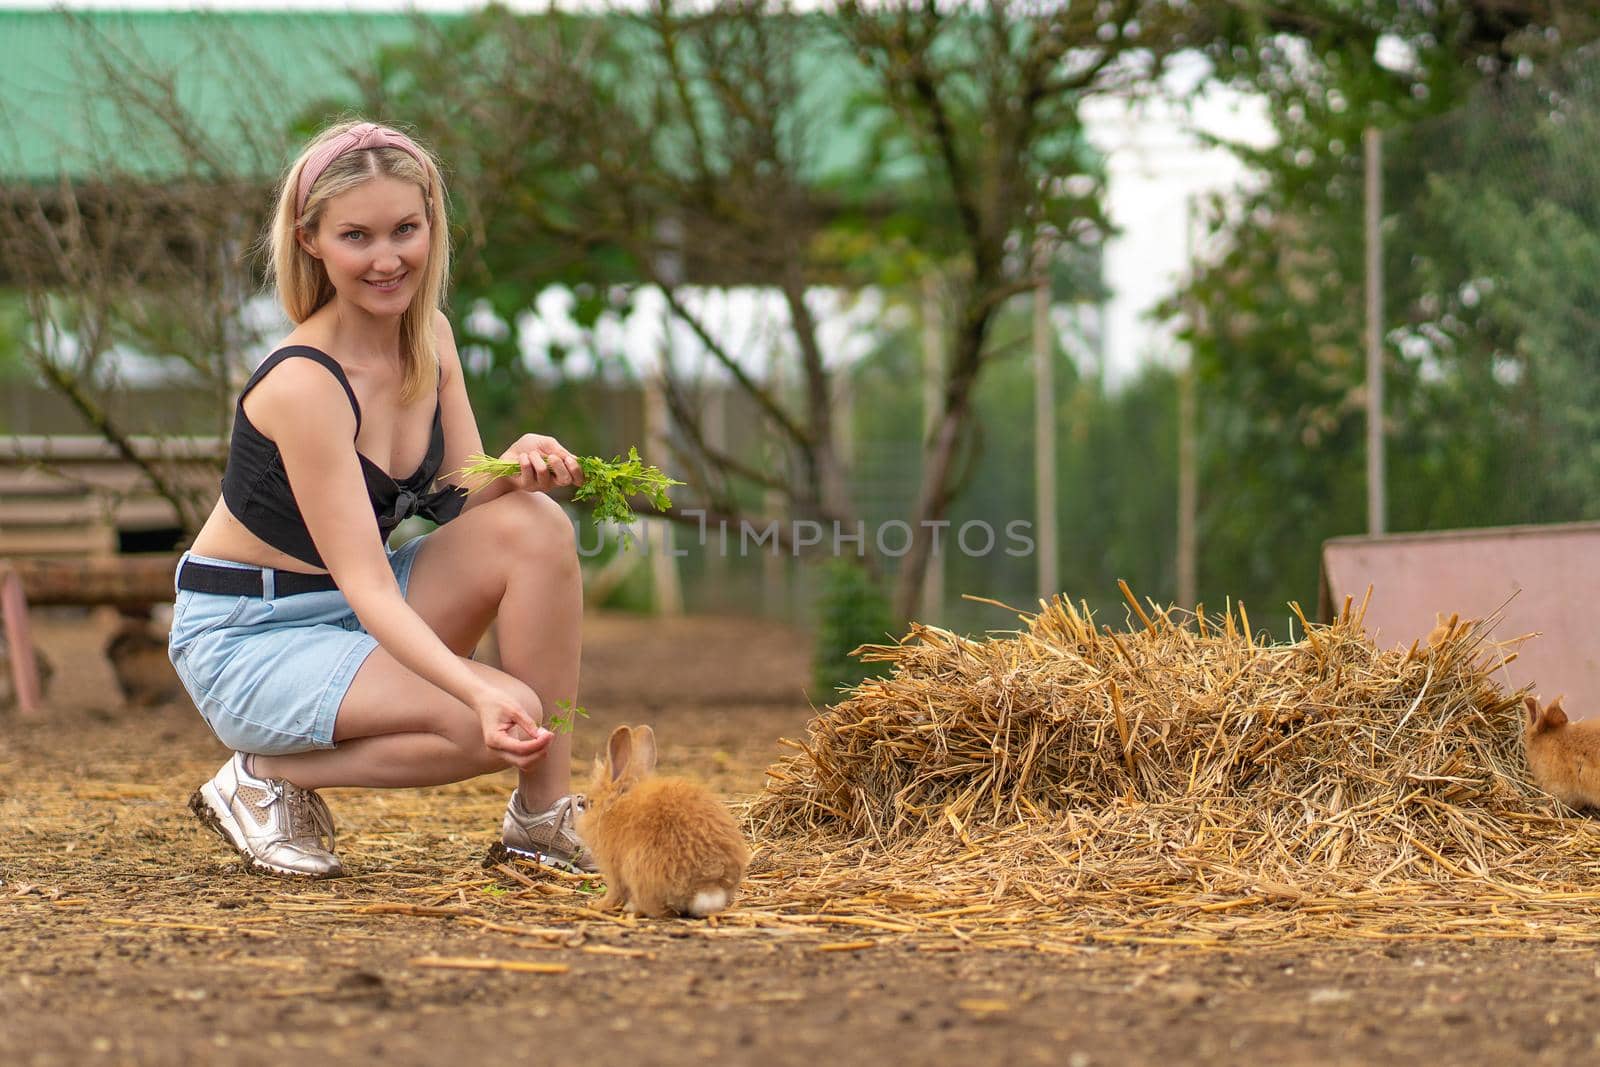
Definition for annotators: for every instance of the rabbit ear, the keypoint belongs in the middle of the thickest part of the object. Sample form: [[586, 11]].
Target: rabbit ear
[[644, 745], [1554, 713], [618, 751]]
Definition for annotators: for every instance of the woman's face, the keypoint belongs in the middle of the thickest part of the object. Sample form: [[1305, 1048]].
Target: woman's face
[[373, 242]]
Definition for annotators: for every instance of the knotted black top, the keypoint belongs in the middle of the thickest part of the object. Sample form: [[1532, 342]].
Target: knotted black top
[[256, 487]]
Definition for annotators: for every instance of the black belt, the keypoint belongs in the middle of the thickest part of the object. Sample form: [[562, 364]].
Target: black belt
[[251, 581]]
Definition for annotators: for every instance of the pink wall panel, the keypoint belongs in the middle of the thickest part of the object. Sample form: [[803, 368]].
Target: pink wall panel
[[1541, 578]]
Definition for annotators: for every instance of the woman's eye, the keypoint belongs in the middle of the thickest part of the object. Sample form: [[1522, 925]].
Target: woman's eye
[[406, 229], [352, 235]]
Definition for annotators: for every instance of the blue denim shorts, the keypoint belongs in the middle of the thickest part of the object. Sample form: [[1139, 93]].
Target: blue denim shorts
[[269, 674]]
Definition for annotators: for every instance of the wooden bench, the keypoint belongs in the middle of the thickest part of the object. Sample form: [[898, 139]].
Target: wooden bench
[[76, 496], [69, 506]]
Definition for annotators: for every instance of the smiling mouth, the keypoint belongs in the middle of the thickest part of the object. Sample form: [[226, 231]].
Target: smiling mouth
[[388, 285]]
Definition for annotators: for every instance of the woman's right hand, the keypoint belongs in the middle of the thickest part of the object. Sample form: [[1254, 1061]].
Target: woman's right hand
[[511, 729]]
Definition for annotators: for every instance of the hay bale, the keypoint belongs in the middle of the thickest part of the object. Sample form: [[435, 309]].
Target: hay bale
[[1185, 758]]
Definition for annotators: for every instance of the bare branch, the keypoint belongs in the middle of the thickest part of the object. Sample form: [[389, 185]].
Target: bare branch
[[686, 417], [69, 386], [665, 25], [764, 399]]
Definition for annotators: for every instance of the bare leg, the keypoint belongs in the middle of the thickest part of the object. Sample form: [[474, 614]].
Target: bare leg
[[512, 559], [429, 737]]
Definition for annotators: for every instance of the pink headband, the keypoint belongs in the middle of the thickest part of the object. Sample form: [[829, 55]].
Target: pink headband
[[364, 135]]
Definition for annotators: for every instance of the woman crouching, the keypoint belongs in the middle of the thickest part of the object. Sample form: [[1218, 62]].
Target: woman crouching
[[316, 653]]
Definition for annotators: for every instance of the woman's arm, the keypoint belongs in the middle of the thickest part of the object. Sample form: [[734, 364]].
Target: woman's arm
[[301, 407], [462, 438]]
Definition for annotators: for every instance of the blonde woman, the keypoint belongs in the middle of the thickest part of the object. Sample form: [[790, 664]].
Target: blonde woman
[[316, 653]]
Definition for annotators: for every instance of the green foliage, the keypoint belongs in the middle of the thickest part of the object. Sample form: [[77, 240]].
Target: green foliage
[[1116, 463], [607, 482], [1489, 258], [852, 610], [13, 321], [567, 718], [571, 139], [1506, 263]]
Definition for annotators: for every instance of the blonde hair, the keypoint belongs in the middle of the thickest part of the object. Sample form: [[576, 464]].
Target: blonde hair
[[301, 279]]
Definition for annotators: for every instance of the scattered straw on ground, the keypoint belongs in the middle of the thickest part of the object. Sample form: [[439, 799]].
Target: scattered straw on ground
[[1181, 782]]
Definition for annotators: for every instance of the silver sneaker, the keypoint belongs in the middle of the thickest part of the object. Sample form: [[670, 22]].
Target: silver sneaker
[[277, 827], [548, 837]]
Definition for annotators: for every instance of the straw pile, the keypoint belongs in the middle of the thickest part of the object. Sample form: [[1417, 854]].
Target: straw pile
[[1183, 766]]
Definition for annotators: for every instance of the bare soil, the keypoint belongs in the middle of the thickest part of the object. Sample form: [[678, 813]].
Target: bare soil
[[130, 935]]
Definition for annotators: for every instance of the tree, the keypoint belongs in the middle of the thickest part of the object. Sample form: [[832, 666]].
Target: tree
[[139, 249], [1504, 240], [988, 102], [1279, 347], [680, 149]]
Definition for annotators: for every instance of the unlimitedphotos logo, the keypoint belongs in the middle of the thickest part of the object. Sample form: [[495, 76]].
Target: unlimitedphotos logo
[[975, 538]]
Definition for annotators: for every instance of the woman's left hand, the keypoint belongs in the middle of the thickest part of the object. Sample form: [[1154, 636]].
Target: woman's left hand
[[543, 464]]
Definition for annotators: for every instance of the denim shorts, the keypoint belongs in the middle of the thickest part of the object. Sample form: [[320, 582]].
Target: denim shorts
[[269, 673]]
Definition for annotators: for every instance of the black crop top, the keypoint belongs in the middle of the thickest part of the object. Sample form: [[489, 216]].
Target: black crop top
[[256, 487]]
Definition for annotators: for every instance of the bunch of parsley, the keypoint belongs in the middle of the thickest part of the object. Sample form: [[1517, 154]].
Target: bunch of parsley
[[609, 483]]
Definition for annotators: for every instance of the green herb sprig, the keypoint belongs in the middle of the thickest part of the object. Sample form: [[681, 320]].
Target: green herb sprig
[[571, 713], [607, 482]]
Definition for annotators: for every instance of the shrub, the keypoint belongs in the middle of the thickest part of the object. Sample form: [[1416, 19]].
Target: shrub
[[852, 610]]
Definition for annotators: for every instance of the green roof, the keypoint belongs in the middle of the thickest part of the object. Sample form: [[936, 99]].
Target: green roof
[[237, 72], [74, 83]]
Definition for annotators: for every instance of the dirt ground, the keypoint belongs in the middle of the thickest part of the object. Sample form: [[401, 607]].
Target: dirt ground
[[129, 935]]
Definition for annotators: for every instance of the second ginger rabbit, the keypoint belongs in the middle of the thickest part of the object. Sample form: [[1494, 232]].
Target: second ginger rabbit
[[1563, 756]]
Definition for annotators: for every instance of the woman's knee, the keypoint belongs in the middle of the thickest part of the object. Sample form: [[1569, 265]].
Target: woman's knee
[[535, 531], [535, 526]]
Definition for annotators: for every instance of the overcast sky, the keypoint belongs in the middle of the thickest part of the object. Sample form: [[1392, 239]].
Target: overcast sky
[[1159, 175]]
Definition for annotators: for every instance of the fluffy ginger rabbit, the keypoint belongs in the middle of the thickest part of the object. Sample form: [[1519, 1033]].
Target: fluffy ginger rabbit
[[1563, 756], [665, 845], [1451, 629]]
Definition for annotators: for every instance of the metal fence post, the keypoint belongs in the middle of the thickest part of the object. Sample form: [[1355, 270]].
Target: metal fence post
[[1372, 143]]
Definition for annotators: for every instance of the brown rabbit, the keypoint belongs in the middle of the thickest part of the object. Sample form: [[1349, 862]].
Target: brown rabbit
[[665, 845], [1563, 756], [1451, 629]]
